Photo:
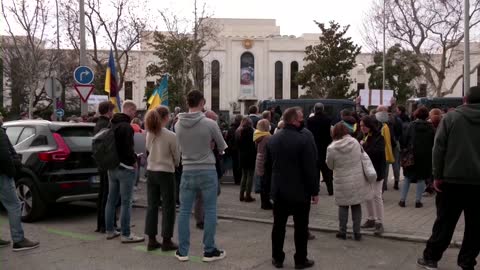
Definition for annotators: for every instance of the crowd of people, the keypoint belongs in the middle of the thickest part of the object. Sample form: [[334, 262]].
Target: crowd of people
[[283, 157]]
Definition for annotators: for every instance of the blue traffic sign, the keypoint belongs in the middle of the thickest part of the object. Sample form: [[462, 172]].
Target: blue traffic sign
[[60, 113], [83, 75]]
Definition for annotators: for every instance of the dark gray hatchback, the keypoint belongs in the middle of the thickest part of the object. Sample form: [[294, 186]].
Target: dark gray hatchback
[[58, 164]]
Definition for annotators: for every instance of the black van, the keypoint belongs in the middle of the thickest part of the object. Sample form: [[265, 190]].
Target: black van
[[443, 103], [332, 106]]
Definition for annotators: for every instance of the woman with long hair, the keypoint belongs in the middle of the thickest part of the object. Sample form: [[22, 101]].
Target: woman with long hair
[[374, 145], [247, 157], [419, 139], [163, 157]]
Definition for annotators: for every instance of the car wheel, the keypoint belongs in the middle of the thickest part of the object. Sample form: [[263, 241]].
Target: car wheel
[[32, 206]]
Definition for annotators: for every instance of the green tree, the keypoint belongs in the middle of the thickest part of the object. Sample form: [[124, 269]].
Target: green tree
[[172, 52], [401, 67], [327, 73]]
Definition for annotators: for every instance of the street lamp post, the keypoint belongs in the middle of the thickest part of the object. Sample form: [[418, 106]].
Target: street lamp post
[[384, 51], [466, 51]]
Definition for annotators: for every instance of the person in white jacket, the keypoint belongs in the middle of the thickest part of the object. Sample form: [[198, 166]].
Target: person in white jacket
[[344, 157]]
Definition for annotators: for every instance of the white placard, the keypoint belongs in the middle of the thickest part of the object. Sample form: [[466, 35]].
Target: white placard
[[364, 97]]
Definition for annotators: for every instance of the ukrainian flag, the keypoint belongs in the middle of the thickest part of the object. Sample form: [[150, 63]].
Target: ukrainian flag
[[159, 95], [111, 83]]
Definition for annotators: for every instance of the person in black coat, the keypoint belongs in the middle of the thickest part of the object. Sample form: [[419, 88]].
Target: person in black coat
[[320, 125], [105, 109], [247, 156], [374, 145], [232, 150], [290, 156], [419, 138]]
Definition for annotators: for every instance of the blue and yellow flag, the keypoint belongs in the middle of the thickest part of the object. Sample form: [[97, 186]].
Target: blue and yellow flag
[[111, 84], [159, 95]]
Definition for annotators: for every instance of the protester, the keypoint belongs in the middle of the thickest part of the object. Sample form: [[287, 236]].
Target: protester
[[294, 185], [122, 178], [163, 157], [374, 145], [386, 130], [280, 126], [8, 196], [105, 109], [137, 125], [232, 149], [253, 115], [434, 117], [418, 140], [402, 114], [320, 125], [195, 134], [344, 157], [456, 155], [247, 156], [198, 212], [268, 116], [261, 137]]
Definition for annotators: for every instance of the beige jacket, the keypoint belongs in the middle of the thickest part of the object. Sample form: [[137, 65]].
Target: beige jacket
[[164, 153]]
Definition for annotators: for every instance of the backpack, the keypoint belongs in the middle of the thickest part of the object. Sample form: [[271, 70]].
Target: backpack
[[104, 149]]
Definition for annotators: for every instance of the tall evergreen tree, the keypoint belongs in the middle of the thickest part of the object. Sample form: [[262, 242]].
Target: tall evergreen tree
[[326, 74]]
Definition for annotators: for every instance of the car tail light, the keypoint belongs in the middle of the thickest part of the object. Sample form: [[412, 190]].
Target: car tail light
[[60, 154]]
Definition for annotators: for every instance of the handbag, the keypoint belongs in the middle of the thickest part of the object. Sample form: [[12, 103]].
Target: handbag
[[367, 165], [407, 157]]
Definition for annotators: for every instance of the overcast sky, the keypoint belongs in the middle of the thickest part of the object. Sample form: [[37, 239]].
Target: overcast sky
[[294, 17]]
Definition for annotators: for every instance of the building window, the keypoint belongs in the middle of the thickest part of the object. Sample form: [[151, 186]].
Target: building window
[[422, 91], [150, 85], [200, 75], [278, 80], [247, 74], [215, 86], [293, 80], [129, 90]]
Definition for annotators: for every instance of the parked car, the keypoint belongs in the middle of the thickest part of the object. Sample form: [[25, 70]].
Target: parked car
[[58, 164]]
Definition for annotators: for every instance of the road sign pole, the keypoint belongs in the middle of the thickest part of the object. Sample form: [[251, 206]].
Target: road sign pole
[[83, 57]]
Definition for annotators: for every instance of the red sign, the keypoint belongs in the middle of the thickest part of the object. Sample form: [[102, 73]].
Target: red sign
[[84, 91]]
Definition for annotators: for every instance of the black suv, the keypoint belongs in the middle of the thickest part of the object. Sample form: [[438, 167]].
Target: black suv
[[58, 164]]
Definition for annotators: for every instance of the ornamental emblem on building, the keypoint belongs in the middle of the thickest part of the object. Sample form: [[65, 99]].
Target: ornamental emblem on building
[[248, 44]]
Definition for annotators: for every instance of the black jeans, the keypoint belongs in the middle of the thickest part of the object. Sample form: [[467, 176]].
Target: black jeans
[[451, 202], [265, 193], [300, 212], [160, 185], [102, 201], [327, 175]]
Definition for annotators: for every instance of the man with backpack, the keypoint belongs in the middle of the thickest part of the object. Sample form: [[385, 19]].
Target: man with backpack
[[105, 109], [122, 177]]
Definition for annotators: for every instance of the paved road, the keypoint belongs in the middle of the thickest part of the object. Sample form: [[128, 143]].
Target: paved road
[[68, 242], [403, 223]]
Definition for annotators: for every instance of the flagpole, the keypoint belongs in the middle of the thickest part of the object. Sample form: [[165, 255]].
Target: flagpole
[[83, 52]]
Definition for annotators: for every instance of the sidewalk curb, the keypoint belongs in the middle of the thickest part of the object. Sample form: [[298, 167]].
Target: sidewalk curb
[[386, 235]]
